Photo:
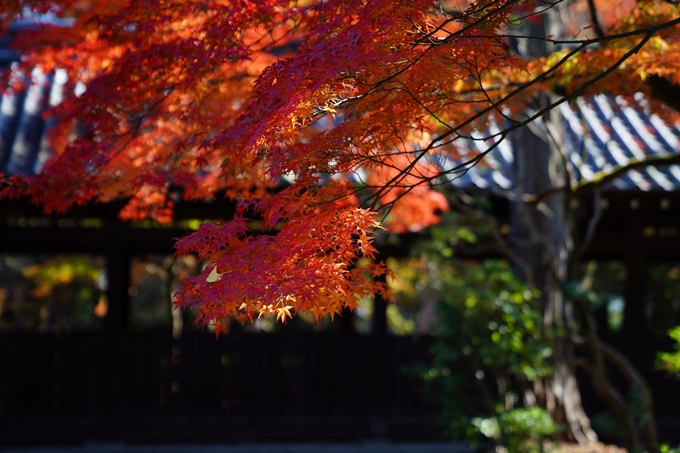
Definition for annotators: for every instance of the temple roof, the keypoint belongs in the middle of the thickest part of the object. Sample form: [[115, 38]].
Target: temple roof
[[600, 133], [24, 121]]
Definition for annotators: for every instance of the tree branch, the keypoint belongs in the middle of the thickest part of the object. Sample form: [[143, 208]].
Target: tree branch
[[605, 176]]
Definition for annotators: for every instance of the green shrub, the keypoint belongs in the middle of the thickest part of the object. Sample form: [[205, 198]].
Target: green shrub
[[519, 430]]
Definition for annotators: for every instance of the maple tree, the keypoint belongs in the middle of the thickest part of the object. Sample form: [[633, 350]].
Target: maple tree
[[324, 119]]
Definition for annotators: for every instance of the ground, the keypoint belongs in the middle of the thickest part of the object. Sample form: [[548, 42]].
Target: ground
[[595, 448]]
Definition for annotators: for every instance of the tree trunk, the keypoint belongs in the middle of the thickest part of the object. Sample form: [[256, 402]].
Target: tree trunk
[[541, 236]]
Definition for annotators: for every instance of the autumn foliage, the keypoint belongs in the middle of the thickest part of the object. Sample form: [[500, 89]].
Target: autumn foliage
[[323, 119]]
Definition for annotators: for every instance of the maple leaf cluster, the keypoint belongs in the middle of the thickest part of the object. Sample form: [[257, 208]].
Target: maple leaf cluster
[[308, 260], [349, 102]]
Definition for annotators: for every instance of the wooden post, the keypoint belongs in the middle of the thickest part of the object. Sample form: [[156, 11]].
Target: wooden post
[[637, 337], [115, 322], [379, 321], [380, 377], [118, 273]]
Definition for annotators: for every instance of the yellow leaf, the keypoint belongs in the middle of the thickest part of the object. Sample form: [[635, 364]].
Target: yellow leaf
[[214, 276], [283, 313]]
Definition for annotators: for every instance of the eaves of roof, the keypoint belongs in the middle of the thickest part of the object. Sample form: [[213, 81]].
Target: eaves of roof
[[599, 134], [25, 120]]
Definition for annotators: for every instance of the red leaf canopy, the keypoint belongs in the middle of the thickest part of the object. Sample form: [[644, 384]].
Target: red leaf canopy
[[345, 99]]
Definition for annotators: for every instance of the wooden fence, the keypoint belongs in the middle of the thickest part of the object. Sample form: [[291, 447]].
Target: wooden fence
[[148, 387], [259, 387]]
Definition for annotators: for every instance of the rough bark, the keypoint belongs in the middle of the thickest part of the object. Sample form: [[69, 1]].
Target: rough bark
[[541, 236]]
